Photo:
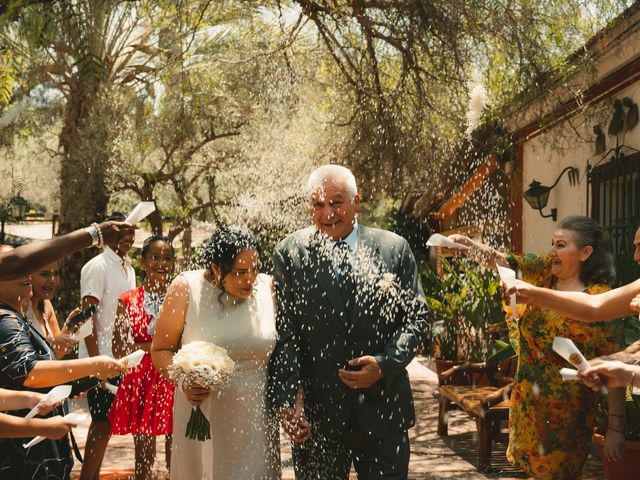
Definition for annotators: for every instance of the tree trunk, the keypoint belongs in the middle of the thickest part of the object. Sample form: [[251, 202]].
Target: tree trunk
[[85, 144], [155, 217], [185, 261]]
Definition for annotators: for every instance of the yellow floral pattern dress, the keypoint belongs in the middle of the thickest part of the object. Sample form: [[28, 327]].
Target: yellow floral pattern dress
[[551, 421]]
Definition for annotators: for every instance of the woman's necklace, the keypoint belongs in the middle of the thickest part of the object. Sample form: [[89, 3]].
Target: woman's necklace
[[151, 304]]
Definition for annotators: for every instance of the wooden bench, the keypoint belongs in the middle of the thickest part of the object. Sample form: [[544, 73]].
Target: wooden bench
[[482, 392]]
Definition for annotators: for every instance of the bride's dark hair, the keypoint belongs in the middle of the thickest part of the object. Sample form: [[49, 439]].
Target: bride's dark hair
[[225, 244]]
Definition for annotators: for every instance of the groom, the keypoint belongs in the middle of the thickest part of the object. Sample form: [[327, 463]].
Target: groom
[[351, 317]]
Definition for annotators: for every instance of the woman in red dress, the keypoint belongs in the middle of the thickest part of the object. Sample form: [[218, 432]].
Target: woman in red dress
[[143, 405]]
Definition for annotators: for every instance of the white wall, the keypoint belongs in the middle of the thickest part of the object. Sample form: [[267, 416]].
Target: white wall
[[546, 155]]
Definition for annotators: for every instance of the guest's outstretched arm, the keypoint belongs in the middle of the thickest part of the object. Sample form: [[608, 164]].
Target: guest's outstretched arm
[[28, 258], [581, 306], [17, 427], [49, 373], [20, 365], [18, 399], [480, 253]]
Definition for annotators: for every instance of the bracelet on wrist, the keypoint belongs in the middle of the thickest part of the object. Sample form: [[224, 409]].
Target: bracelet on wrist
[[94, 232], [101, 241]]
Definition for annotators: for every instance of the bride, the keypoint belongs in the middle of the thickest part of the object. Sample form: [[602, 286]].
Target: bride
[[231, 305]]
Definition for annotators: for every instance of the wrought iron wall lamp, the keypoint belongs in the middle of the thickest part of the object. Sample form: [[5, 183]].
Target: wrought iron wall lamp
[[538, 195]]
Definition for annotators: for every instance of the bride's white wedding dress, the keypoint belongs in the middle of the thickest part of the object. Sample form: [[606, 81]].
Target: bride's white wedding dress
[[244, 435]]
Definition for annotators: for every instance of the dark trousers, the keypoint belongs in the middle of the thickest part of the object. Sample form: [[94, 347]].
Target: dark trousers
[[322, 458]]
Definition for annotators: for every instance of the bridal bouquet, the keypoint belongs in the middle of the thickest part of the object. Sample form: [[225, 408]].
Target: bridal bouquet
[[204, 364]]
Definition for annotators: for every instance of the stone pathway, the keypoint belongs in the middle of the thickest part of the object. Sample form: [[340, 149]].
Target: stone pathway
[[432, 457]]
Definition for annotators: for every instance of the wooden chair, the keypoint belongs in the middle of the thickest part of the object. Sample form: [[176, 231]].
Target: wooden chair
[[482, 391]]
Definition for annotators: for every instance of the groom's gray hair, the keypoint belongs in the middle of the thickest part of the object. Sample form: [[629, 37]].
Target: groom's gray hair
[[336, 173]]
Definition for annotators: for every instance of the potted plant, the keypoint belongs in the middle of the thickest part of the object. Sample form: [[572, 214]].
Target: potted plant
[[465, 301]]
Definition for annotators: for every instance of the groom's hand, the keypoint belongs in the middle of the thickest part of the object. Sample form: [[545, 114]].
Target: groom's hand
[[293, 421], [295, 425], [368, 374]]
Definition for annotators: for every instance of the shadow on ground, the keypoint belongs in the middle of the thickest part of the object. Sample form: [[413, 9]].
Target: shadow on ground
[[432, 457], [455, 456]]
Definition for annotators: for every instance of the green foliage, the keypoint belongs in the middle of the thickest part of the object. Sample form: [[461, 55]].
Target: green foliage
[[500, 350], [631, 330], [6, 210], [406, 66], [7, 78], [466, 302], [415, 231]]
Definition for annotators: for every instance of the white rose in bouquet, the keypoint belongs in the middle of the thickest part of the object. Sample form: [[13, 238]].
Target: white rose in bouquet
[[207, 365]]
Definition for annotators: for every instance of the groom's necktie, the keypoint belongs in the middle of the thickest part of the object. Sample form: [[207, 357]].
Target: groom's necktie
[[344, 271]]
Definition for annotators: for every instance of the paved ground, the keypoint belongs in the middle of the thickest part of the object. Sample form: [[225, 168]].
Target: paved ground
[[432, 457]]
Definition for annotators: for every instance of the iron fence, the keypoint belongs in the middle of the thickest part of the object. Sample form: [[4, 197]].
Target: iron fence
[[615, 205]]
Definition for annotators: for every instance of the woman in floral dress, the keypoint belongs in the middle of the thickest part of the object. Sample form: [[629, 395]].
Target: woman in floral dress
[[551, 421]]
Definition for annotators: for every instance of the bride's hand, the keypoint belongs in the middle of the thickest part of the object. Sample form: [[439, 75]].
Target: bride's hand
[[195, 394]]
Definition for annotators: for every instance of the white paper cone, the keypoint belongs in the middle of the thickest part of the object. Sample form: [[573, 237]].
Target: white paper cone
[[75, 417], [142, 210], [55, 395], [508, 277], [84, 331], [111, 388], [568, 350], [34, 441], [133, 359], [437, 240], [569, 374]]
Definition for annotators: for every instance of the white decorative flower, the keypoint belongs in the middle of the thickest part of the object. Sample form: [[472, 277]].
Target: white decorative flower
[[477, 103], [388, 282]]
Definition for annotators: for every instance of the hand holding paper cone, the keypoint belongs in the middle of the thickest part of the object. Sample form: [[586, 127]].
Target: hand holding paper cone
[[55, 395], [568, 350], [73, 417], [569, 374], [83, 332], [133, 359], [437, 240], [508, 277]]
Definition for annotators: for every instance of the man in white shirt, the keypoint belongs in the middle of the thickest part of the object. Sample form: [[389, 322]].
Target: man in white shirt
[[102, 280]]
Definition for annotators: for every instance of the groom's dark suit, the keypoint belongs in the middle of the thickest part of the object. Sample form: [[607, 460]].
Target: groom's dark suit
[[318, 334]]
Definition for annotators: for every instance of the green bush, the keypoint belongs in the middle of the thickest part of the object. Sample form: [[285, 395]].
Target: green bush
[[466, 303]]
